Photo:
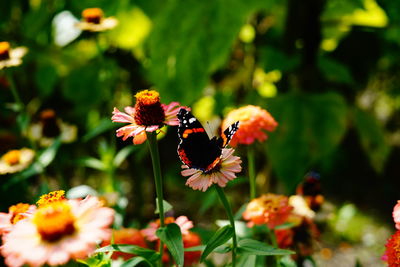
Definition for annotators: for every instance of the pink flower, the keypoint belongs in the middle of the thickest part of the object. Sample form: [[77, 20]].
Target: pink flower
[[15, 213], [182, 221], [58, 232], [221, 174], [396, 215], [148, 115]]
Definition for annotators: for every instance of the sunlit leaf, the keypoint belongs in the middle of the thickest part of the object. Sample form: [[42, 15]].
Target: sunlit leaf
[[172, 237], [219, 238], [255, 247]]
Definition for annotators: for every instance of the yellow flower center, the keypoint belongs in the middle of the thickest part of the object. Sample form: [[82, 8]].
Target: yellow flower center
[[92, 15], [48, 120], [16, 211], [148, 109], [54, 196], [55, 221], [4, 50], [148, 97], [12, 157]]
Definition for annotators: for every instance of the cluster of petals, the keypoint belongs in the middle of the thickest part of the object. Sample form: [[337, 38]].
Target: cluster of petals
[[16, 160], [392, 252], [11, 57], [189, 238], [182, 221], [269, 209], [94, 21], [138, 130], [15, 213], [253, 120], [57, 232], [222, 173]]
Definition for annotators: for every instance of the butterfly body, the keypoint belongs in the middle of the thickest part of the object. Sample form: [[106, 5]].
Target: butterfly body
[[196, 149]]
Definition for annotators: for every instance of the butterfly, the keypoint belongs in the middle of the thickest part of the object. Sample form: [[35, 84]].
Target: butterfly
[[196, 150]]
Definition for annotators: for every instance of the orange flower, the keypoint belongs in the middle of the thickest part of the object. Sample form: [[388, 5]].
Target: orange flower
[[58, 232], [392, 253], [252, 120], [269, 209], [148, 115], [125, 236], [191, 240], [94, 21]]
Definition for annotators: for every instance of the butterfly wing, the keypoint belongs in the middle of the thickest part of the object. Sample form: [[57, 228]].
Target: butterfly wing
[[195, 149], [227, 135]]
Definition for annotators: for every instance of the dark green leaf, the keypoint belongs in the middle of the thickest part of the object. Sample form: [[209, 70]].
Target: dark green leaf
[[196, 248], [254, 247], [135, 261], [372, 138], [104, 125], [219, 238], [171, 235], [310, 128], [46, 77]]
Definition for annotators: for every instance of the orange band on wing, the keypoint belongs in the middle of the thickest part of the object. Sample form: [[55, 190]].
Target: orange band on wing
[[189, 131]]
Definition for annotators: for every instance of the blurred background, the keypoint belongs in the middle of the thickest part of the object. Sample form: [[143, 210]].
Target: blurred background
[[327, 71]]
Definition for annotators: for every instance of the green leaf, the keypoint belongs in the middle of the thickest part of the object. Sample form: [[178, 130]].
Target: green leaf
[[166, 205], [49, 153], [310, 128], [135, 261], [241, 228], [335, 71], [123, 154], [131, 249], [197, 38], [254, 247], [171, 235], [104, 125], [219, 238], [372, 138], [247, 260], [92, 163], [46, 77], [196, 248]]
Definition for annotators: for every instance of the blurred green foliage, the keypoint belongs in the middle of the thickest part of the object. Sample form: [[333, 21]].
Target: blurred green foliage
[[335, 94]]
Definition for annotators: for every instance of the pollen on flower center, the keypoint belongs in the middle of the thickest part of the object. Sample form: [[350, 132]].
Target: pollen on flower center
[[148, 109], [55, 221], [4, 50], [16, 211], [92, 15], [12, 157], [51, 197]]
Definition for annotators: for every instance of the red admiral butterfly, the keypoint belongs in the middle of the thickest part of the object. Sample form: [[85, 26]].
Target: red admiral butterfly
[[196, 149]]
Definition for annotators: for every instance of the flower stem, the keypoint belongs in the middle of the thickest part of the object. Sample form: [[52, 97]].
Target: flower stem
[[252, 173], [228, 210], [155, 158], [14, 89]]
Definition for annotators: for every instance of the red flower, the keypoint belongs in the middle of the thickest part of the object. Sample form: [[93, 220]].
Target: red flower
[[126, 236], [392, 253]]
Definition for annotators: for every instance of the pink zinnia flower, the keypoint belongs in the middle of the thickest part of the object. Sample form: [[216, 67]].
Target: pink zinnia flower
[[182, 221], [58, 232], [148, 115], [221, 174], [396, 215], [15, 213], [252, 120]]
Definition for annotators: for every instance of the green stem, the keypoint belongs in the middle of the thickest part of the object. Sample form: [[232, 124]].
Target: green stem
[[252, 173], [155, 158], [14, 89], [272, 239], [228, 210]]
